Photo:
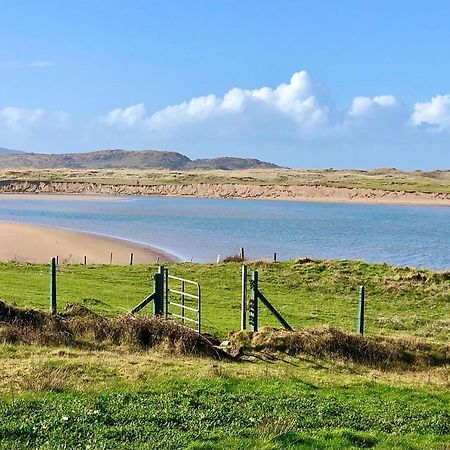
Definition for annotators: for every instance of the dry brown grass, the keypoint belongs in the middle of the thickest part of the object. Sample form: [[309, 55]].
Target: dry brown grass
[[78, 326], [233, 258], [330, 342]]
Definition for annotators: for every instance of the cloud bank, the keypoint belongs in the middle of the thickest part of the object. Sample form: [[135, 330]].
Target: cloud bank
[[300, 103], [293, 123]]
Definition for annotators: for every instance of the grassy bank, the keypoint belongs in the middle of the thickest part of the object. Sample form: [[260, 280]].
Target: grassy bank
[[400, 301]]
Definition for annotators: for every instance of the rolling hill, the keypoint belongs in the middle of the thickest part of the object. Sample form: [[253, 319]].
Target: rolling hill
[[8, 151], [116, 159]]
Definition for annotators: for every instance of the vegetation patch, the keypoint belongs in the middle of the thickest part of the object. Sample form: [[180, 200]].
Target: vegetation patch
[[229, 414], [78, 326], [330, 342]]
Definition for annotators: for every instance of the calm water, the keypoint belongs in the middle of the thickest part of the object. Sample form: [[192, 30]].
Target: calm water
[[203, 228]]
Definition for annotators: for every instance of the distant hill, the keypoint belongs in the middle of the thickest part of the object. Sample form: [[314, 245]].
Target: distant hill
[[8, 151], [117, 159]]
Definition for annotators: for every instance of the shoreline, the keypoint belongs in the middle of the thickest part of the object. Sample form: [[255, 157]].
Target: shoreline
[[306, 193], [39, 243]]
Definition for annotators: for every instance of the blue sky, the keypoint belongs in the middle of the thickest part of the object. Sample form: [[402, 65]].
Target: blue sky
[[304, 84]]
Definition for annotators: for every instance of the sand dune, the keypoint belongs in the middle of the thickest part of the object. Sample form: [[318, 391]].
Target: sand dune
[[38, 244], [212, 190]]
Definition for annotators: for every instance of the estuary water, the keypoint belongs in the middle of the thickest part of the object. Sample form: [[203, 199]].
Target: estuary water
[[199, 229]]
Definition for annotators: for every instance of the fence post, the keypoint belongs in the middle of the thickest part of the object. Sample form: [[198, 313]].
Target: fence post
[[360, 327], [131, 259], [275, 257], [244, 298], [253, 310], [53, 307], [166, 288], [158, 303], [159, 294], [242, 253]]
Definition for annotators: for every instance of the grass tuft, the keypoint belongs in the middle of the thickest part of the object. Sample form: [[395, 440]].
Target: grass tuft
[[330, 342], [78, 326]]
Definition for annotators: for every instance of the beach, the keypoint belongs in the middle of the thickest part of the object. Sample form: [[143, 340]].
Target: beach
[[38, 244]]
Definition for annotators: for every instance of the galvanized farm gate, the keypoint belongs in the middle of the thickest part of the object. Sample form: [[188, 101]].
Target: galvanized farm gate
[[183, 303], [186, 302]]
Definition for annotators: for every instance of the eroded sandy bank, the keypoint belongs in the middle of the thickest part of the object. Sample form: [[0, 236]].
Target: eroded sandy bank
[[297, 192]]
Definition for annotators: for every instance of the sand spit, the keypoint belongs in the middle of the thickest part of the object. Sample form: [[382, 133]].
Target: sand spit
[[38, 244], [296, 192]]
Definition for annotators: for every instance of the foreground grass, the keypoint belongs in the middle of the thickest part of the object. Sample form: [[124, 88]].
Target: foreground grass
[[66, 397], [227, 413], [400, 301], [386, 179]]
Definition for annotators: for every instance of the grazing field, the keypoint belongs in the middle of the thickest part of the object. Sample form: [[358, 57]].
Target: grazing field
[[69, 396], [399, 301]]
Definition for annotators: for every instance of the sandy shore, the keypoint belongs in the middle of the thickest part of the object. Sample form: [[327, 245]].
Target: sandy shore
[[275, 192], [38, 244]]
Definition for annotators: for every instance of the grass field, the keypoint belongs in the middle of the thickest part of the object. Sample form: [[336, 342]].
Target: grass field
[[385, 179], [68, 397], [400, 301]]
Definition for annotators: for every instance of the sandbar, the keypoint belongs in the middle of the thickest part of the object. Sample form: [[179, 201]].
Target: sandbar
[[38, 244]]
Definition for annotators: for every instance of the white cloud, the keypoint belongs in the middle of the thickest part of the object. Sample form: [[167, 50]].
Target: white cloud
[[125, 117], [364, 106], [435, 113], [297, 101], [20, 119]]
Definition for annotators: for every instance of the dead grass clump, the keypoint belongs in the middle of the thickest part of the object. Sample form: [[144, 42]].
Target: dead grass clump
[[21, 316], [80, 327], [147, 332], [331, 342], [45, 379], [304, 260], [233, 258]]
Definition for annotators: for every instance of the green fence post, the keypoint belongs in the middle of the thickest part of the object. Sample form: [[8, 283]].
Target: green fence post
[[166, 292], [244, 297], [253, 310], [360, 327], [158, 304], [53, 307]]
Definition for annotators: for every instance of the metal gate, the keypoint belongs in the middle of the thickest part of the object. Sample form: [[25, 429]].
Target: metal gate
[[183, 300]]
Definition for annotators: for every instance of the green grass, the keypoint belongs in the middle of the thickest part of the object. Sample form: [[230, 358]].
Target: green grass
[[399, 301], [226, 413], [57, 398]]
